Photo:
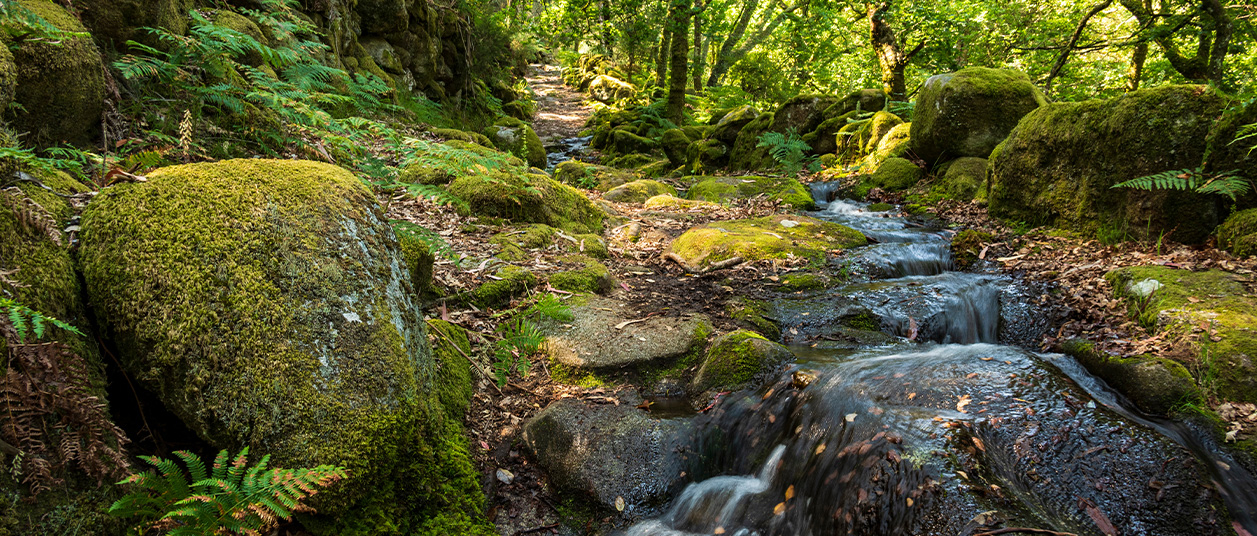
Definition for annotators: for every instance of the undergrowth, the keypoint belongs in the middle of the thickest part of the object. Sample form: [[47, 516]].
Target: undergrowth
[[522, 336]]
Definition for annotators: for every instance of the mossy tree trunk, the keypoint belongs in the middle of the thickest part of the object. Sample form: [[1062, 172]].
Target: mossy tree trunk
[[661, 64], [696, 71], [680, 22], [732, 52], [890, 55], [1135, 74]]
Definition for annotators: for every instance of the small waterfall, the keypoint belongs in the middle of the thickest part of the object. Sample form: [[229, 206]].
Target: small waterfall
[[824, 192], [712, 504]]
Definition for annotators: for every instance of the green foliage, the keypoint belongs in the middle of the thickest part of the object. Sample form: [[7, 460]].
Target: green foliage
[[1225, 183], [435, 242], [27, 321], [234, 498], [789, 151], [18, 24], [522, 336]]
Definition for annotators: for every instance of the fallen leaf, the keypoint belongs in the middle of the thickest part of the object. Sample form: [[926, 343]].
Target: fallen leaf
[[619, 504], [779, 509], [790, 492], [978, 443]]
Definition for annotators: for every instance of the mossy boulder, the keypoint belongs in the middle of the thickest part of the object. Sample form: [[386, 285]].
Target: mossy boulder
[[966, 246], [894, 144], [456, 385], [706, 155], [1238, 234], [669, 202], [522, 110], [464, 136], [529, 199], [441, 163], [1229, 153], [860, 100], [638, 191], [790, 192], [608, 89], [60, 85], [895, 174], [772, 237], [969, 112], [632, 161], [591, 176], [738, 360], [727, 129], [675, 144], [591, 277], [115, 22], [753, 315], [266, 303], [625, 142], [964, 179], [1155, 384], [825, 140], [417, 254], [1060, 163], [1180, 303], [745, 154], [518, 138], [802, 282], [802, 113]]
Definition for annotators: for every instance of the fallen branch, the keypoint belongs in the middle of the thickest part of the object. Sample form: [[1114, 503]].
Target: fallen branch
[[727, 263], [536, 529], [492, 381], [1012, 530]]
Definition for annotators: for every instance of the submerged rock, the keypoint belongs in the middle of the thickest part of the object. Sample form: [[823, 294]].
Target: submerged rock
[[969, 112]]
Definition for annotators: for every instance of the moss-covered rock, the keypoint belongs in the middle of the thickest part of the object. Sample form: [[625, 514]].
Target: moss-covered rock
[[966, 246], [60, 85], [675, 144], [825, 140], [608, 89], [1238, 234], [745, 154], [530, 199], [509, 282], [1180, 303], [1059, 164], [969, 112], [727, 129], [518, 138], [464, 136], [441, 163], [797, 281], [861, 100], [753, 315], [1227, 152], [738, 360], [790, 192], [802, 113], [668, 202], [522, 110], [594, 177], [895, 174], [631, 161], [705, 156], [771, 237], [115, 22], [417, 254], [592, 277], [455, 384], [894, 144], [1155, 384], [638, 191], [964, 179], [625, 142], [880, 207], [266, 303], [591, 342]]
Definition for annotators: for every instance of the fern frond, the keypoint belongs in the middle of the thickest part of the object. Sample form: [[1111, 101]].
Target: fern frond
[[1224, 183]]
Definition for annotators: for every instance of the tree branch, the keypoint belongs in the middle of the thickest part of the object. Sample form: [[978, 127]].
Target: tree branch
[[1073, 39]]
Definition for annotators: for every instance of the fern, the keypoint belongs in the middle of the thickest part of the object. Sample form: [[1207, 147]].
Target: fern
[[435, 242], [26, 321], [1226, 183], [522, 337], [789, 151], [232, 498]]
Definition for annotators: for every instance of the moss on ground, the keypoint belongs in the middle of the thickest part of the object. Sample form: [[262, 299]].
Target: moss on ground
[[511, 282], [764, 238], [803, 281], [966, 246], [590, 176], [790, 192], [1238, 234]]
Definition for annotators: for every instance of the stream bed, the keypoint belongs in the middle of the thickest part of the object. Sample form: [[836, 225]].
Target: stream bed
[[953, 427]]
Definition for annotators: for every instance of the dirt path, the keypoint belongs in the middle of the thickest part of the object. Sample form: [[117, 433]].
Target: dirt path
[[561, 110]]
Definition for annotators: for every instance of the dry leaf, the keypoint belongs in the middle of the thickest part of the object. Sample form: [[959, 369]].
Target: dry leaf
[[780, 508], [619, 504], [790, 492]]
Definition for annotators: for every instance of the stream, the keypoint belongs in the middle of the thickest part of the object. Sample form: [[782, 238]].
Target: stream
[[957, 431]]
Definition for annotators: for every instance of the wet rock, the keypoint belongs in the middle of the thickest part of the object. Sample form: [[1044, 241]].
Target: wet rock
[[1183, 303], [739, 360], [593, 341], [1060, 163], [598, 453], [763, 238], [969, 112], [1155, 384]]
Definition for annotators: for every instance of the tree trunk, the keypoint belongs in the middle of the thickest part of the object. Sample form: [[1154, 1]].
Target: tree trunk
[[665, 48], [1136, 72], [1211, 48], [890, 57], [680, 22], [722, 64], [604, 20], [697, 70]]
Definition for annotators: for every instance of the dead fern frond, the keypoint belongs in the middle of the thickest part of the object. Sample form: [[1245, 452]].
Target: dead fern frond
[[30, 214]]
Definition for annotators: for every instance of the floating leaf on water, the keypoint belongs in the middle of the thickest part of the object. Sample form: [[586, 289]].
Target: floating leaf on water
[[909, 501], [978, 443], [779, 509], [790, 492], [820, 448], [964, 401]]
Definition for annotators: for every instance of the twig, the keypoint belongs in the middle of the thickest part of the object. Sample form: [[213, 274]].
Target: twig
[[473, 363], [1011, 530], [727, 263], [536, 529]]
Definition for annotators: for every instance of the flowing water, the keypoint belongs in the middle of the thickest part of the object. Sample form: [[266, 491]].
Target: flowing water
[[951, 431]]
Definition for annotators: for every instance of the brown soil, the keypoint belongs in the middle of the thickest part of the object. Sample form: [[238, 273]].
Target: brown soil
[[561, 110]]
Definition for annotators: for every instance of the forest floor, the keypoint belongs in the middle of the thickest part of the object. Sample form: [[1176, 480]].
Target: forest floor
[[561, 110]]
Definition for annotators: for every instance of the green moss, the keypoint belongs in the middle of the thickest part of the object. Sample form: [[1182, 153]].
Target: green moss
[[735, 359], [1238, 234], [418, 256], [625, 142], [969, 112], [631, 161], [60, 85], [895, 174], [463, 135], [790, 192], [663, 202], [1059, 164], [529, 198], [524, 110], [802, 281], [518, 138], [753, 315], [424, 173], [1226, 368], [582, 175], [966, 246], [1155, 384], [638, 191], [266, 304], [704, 156], [593, 277], [763, 238], [726, 130], [863, 322], [880, 207], [674, 144], [511, 282], [454, 382], [745, 154]]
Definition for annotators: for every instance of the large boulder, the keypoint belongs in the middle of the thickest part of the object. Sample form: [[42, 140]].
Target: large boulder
[[518, 138], [60, 84], [608, 89], [964, 179], [790, 192], [1178, 303], [592, 342], [726, 130], [746, 154], [772, 237], [1060, 163], [114, 22], [529, 198], [591, 176], [674, 143], [266, 304], [638, 191], [969, 112], [802, 113]]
